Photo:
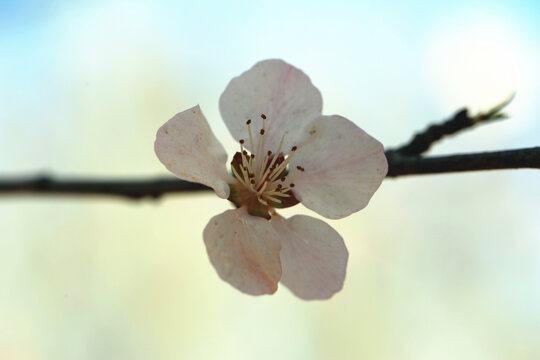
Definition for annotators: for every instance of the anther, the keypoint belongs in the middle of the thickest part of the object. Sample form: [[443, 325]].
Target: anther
[[244, 152], [252, 181], [300, 168], [269, 153], [294, 148], [242, 141], [253, 156], [248, 122], [262, 131], [282, 179], [291, 185], [263, 116]]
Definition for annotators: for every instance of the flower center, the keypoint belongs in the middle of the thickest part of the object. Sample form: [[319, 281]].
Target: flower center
[[264, 176]]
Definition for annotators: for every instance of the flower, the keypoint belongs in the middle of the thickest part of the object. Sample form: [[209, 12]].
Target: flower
[[289, 153]]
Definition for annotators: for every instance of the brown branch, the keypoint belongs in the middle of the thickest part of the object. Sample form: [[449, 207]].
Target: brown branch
[[133, 189], [405, 160], [399, 165], [422, 141]]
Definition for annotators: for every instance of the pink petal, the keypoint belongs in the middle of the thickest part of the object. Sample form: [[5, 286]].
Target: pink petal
[[244, 249], [188, 148], [313, 257], [343, 167], [274, 88]]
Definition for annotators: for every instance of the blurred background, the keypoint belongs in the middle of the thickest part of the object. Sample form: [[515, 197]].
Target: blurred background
[[441, 267]]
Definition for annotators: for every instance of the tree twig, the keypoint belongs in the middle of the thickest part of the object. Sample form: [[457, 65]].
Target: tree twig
[[405, 160], [127, 188], [422, 141], [399, 165]]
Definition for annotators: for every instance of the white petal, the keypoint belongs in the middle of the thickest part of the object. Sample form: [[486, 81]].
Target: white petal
[[274, 88], [313, 257], [244, 250], [343, 167], [187, 147]]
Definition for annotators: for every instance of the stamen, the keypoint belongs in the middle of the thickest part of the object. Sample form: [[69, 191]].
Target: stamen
[[297, 175], [283, 166], [257, 151], [288, 187], [245, 159], [248, 123], [243, 152], [271, 198], [262, 188], [238, 176], [272, 166], [261, 160], [266, 174], [276, 193], [245, 174]]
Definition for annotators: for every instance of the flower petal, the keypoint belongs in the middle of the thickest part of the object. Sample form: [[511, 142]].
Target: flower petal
[[244, 249], [343, 167], [313, 257], [187, 147], [274, 88]]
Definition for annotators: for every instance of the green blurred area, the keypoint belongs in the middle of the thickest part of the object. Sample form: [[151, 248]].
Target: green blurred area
[[441, 267]]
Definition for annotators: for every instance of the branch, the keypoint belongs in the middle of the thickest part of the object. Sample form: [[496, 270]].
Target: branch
[[405, 160], [132, 189], [422, 141], [399, 165]]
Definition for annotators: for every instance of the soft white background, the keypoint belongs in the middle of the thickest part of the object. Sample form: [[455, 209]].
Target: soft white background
[[441, 267]]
